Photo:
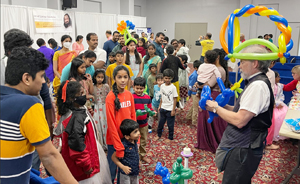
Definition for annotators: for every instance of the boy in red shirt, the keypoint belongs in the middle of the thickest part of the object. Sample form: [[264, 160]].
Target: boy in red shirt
[[295, 84]]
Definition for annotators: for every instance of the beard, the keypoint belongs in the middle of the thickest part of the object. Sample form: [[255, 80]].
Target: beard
[[244, 76]]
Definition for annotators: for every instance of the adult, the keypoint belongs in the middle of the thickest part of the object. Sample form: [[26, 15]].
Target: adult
[[242, 38], [67, 22], [165, 41], [53, 44], [120, 45], [271, 37], [78, 46], [144, 36], [16, 38], [89, 57], [151, 39], [183, 50], [27, 120], [150, 58], [108, 34], [241, 147], [48, 53], [207, 44], [64, 56], [158, 45], [174, 42], [266, 37], [92, 41], [209, 134], [110, 44]]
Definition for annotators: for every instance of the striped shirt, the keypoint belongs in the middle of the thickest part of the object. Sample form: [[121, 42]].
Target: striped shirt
[[139, 102], [22, 126]]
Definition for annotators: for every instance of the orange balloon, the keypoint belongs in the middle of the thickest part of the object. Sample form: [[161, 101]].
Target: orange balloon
[[285, 31], [280, 55], [257, 9], [222, 35]]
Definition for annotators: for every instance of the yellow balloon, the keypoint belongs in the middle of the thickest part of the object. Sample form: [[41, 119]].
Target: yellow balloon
[[236, 10], [289, 28], [246, 15], [281, 43], [268, 12], [282, 60], [232, 59], [236, 32]]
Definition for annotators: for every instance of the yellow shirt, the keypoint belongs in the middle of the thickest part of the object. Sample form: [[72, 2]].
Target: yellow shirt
[[110, 70], [207, 45], [145, 38]]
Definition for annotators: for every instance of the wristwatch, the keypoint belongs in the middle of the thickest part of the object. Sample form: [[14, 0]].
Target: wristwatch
[[215, 109]]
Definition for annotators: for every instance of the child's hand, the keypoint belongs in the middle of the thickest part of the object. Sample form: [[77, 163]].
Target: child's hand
[[173, 113], [155, 114], [88, 76], [126, 169], [294, 92], [89, 171]]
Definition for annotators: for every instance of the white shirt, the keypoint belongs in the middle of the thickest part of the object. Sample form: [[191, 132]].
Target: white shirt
[[271, 75], [2, 67], [168, 93], [256, 98], [100, 53]]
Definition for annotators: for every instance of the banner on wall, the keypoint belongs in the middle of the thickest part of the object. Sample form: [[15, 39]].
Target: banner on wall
[[146, 30], [49, 21]]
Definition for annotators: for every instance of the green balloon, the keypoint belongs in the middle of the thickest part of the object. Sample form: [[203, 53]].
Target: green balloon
[[256, 56], [258, 41]]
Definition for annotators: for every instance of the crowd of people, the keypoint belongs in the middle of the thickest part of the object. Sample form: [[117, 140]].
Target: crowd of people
[[97, 93]]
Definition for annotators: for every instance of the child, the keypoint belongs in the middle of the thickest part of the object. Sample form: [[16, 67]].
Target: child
[[280, 109], [80, 149], [110, 69], [119, 106], [183, 81], [151, 79], [112, 58], [77, 73], [183, 50], [208, 68], [167, 105], [134, 60], [295, 84], [101, 90], [129, 164], [141, 47], [193, 112], [140, 99], [156, 100]]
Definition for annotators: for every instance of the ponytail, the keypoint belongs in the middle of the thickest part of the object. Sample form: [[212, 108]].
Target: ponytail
[[117, 101]]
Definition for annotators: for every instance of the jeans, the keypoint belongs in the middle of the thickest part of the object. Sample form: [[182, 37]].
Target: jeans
[[112, 165], [166, 116], [202, 59], [126, 179]]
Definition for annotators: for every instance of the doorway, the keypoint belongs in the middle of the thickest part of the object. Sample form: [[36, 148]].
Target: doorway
[[190, 32]]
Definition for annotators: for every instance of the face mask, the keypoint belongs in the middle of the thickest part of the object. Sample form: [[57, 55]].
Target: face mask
[[80, 100], [67, 44]]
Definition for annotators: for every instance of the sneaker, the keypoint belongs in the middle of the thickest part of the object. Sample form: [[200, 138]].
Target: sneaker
[[149, 130]]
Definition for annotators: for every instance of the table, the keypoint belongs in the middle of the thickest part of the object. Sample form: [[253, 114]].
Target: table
[[285, 131]]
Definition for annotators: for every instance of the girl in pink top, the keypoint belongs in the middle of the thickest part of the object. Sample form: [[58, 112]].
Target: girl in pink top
[[78, 46]]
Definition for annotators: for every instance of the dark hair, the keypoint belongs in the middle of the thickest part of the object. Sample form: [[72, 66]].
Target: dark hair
[[16, 38], [209, 35], [197, 63], [121, 35], [65, 37], [73, 88], [76, 63], [136, 53], [70, 21], [168, 73], [211, 56], [142, 32], [127, 126], [79, 37], [169, 49], [108, 32], [159, 33], [40, 42], [261, 37], [184, 58], [276, 74], [139, 81], [116, 32], [144, 43], [52, 42], [173, 40], [115, 88], [113, 54], [159, 76], [266, 35], [47, 79], [88, 36], [24, 60], [147, 57], [120, 52], [182, 41], [95, 75], [136, 36], [224, 64], [87, 54], [151, 33], [271, 35], [166, 38], [152, 65]]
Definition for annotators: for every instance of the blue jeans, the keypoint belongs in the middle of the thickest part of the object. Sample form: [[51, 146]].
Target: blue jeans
[[166, 116], [202, 59], [112, 165]]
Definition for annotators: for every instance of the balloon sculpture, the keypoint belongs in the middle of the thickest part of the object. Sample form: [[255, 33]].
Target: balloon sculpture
[[163, 172], [35, 178], [222, 99], [234, 47], [180, 174], [123, 28], [140, 112]]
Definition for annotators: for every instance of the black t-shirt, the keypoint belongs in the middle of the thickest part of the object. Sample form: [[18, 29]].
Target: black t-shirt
[[173, 63]]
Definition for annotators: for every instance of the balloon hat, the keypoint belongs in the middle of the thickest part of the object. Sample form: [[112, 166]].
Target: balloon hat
[[123, 28], [234, 47]]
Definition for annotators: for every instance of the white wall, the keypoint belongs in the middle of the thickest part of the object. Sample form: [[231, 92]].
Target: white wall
[[143, 5]]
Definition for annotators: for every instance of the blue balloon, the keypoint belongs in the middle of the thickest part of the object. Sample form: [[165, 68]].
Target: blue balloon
[[205, 95], [163, 172], [290, 45], [226, 57], [279, 19], [244, 10], [230, 33], [35, 178]]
